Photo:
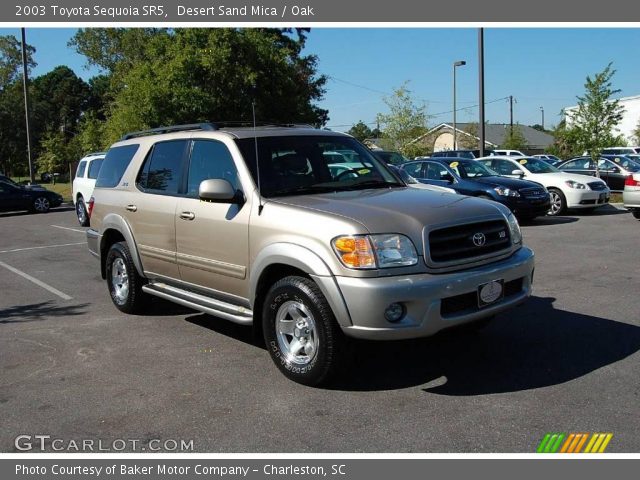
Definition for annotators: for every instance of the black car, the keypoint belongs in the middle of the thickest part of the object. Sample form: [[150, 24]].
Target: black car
[[468, 177], [613, 169], [15, 197]]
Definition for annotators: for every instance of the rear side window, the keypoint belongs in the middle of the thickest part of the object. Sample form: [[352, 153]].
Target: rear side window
[[414, 169], [94, 168], [82, 166], [162, 170], [114, 164]]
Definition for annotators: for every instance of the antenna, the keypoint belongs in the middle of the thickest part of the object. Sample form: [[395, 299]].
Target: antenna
[[255, 142]]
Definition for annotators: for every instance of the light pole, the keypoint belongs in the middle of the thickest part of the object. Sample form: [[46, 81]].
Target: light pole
[[459, 63], [25, 86], [481, 88], [542, 112]]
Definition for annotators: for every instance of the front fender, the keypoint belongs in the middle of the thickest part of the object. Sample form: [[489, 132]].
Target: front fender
[[306, 260]]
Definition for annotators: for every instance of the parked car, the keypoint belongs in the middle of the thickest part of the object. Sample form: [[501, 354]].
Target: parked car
[[25, 184], [614, 169], [14, 197], [468, 177], [390, 157], [460, 154], [412, 182], [550, 159], [631, 194], [617, 151], [84, 182], [566, 190], [508, 153], [264, 234]]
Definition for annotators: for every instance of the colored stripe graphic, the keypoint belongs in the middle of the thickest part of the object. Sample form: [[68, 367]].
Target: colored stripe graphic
[[573, 442]]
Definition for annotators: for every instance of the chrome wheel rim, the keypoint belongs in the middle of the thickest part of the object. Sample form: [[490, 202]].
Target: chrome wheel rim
[[119, 281], [80, 212], [41, 204], [556, 203], [296, 333]]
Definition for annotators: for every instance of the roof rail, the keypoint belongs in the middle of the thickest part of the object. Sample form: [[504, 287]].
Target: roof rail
[[173, 128], [93, 154]]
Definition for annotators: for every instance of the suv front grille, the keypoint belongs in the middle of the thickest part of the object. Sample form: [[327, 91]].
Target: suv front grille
[[466, 242], [597, 186], [535, 192]]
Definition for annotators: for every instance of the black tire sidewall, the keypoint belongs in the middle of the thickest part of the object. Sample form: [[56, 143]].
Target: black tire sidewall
[[133, 302], [563, 201], [303, 290], [81, 206]]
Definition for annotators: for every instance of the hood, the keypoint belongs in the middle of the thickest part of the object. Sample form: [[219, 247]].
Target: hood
[[399, 210], [557, 179], [511, 183]]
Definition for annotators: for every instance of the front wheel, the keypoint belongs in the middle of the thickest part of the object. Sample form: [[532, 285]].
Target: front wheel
[[301, 332], [125, 285], [558, 202], [41, 205]]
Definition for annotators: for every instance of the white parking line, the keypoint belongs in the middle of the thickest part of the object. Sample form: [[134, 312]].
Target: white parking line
[[69, 228], [44, 246], [55, 291]]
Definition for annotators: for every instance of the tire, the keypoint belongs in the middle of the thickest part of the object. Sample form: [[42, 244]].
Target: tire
[[123, 281], [81, 212], [558, 202], [636, 214], [301, 333], [41, 205]]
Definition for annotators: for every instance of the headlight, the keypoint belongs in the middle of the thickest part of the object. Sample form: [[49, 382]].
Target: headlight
[[375, 251], [514, 229], [573, 184], [506, 192]]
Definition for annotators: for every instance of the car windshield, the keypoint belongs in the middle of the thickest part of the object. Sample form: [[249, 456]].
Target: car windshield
[[301, 165], [471, 169], [535, 165]]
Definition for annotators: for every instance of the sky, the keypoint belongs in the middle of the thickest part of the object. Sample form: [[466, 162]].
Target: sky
[[539, 67]]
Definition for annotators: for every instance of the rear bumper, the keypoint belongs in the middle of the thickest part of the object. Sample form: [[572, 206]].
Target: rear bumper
[[422, 297], [631, 198], [93, 242]]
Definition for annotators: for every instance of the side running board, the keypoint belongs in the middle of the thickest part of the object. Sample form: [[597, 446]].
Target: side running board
[[228, 311]]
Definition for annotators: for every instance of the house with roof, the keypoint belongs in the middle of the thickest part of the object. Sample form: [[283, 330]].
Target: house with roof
[[440, 137]]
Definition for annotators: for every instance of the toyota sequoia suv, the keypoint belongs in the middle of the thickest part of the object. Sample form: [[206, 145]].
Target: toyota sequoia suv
[[257, 226]]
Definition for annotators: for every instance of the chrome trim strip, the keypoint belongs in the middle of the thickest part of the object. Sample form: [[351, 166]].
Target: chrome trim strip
[[210, 265]]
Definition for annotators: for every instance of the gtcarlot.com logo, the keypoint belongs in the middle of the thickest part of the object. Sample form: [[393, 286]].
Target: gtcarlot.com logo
[[574, 443], [48, 443]]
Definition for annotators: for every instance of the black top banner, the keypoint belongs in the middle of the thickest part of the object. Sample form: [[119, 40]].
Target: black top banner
[[304, 11]]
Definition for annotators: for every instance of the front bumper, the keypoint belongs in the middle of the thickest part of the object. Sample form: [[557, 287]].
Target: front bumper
[[528, 207], [586, 198], [422, 296]]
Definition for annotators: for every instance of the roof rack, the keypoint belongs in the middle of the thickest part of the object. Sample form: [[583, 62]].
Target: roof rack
[[173, 128], [93, 154]]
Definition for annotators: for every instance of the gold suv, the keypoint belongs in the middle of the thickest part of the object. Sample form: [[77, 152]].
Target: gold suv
[[302, 233]]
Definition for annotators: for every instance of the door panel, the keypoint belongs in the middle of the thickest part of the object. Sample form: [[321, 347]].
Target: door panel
[[212, 238]]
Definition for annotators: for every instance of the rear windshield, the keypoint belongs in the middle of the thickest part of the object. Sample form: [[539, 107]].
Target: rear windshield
[[114, 164]]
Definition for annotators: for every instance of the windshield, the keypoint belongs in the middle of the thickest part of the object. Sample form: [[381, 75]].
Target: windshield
[[535, 165], [299, 165], [471, 169]]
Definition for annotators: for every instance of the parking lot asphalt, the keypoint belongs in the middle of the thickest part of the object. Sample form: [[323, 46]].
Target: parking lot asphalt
[[74, 367]]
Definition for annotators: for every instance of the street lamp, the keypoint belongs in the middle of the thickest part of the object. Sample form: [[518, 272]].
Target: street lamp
[[542, 111], [459, 63]]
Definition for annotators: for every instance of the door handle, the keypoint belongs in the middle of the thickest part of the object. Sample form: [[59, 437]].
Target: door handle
[[187, 215], [131, 208]]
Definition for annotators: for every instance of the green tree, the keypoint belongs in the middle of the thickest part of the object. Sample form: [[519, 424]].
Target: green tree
[[57, 151], [360, 131], [636, 134], [514, 139], [11, 60], [404, 123], [470, 140], [597, 114], [160, 76]]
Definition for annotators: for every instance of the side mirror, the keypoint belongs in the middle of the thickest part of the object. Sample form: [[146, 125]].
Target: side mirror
[[217, 190], [447, 177], [518, 172]]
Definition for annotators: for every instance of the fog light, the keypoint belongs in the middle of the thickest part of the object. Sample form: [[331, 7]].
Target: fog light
[[394, 312]]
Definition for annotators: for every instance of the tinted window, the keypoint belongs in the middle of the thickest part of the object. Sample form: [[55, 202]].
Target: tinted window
[[210, 159], [626, 163], [414, 169], [578, 164], [114, 164], [94, 168], [503, 167], [81, 168], [161, 171], [434, 171]]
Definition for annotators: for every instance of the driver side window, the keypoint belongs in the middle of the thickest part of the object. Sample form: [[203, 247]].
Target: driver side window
[[210, 159]]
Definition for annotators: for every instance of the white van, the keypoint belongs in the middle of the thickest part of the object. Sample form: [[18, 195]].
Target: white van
[[83, 184]]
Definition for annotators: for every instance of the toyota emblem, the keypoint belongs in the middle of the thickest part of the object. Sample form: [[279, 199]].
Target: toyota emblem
[[479, 239]]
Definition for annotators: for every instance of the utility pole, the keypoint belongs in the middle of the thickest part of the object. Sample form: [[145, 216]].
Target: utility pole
[[511, 115], [542, 111], [459, 63], [481, 88], [25, 85]]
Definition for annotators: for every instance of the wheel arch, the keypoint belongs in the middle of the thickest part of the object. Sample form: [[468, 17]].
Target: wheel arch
[[116, 229]]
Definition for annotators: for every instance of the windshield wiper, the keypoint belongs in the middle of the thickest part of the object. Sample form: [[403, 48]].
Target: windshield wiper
[[302, 190], [372, 183]]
